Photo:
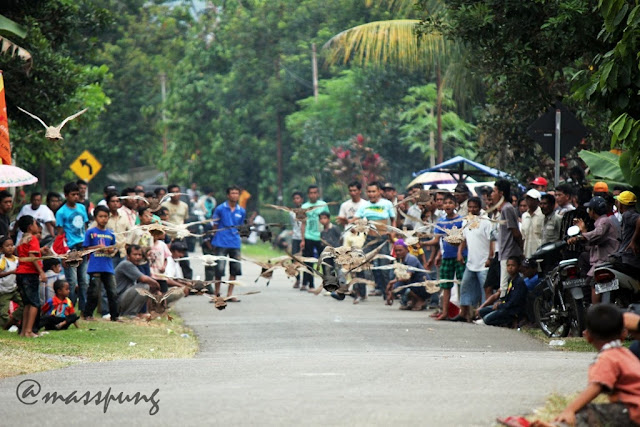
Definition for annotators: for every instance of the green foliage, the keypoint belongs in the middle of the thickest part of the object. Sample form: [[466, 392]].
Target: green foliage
[[612, 83], [419, 123], [527, 53], [604, 166]]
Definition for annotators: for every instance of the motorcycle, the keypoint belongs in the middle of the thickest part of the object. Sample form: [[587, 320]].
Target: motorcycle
[[560, 306], [617, 284]]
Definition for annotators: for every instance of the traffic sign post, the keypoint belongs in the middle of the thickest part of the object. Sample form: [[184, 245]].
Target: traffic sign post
[[85, 166], [557, 131]]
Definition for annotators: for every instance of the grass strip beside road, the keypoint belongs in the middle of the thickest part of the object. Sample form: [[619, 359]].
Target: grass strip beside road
[[570, 343], [96, 341], [261, 251]]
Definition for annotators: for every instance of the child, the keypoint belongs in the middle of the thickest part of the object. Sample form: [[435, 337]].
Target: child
[[100, 266], [58, 312], [450, 267], [329, 233], [29, 274], [531, 280], [53, 269], [158, 259], [616, 371], [507, 309], [8, 288]]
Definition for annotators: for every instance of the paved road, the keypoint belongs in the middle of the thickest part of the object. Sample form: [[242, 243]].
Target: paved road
[[284, 357]]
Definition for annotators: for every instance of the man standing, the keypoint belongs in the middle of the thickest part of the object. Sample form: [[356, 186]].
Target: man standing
[[480, 251], [532, 223], [628, 252], [296, 227], [83, 190], [128, 278], [389, 192], [540, 184], [349, 208], [311, 230], [382, 212], [70, 220], [6, 204], [510, 238], [227, 241], [119, 224], [462, 195], [178, 210], [40, 213], [128, 208], [552, 223], [54, 201], [564, 192]]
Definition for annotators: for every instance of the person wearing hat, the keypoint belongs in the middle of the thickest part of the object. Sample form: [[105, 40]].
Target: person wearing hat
[[629, 250], [389, 192], [532, 222], [540, 184], [600, 187], [108, 189], [602, 240], [461, 194]]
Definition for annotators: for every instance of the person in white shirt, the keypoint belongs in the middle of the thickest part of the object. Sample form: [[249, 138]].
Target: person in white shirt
[[532, 223], [40, 213], [480, 252], [347, 214]]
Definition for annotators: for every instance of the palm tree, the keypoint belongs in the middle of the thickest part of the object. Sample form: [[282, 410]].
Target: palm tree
[[12, 29], [396, 43]]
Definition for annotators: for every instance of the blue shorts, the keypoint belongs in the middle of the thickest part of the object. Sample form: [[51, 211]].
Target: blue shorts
[[471, 289], [29, 287]]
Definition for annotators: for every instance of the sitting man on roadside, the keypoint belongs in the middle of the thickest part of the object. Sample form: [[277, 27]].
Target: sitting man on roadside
[[506, 310], [417, 294], [128, 278]]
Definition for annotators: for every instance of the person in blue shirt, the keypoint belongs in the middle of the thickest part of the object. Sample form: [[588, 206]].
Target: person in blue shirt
[[70, 220], [451, 267], [531, 280], [227, 241], [100, 266]]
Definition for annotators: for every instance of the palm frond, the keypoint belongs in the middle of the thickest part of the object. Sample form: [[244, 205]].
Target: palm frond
[[387, 43]]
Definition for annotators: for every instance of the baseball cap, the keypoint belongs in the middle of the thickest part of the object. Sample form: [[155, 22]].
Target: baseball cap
[[627, 198], [179, 246], [539, 181], [600, 187], [598, 205], [462, 188], [110, 188], [534, 194], [388, 185]]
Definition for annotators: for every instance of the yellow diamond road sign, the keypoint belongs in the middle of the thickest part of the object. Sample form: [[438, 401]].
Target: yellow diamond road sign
[[86, 166]]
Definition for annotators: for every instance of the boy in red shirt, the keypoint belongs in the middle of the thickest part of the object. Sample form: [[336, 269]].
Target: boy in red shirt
[[29, 274], [616, 371], [58, 312]]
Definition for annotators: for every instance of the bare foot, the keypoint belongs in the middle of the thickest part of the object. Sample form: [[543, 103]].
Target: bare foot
[[443, 316]]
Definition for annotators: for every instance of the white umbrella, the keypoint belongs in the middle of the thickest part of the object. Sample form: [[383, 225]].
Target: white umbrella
[[13, 176], [430, 178]]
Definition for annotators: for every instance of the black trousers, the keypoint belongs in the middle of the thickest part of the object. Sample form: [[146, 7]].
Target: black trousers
[[309, 246]]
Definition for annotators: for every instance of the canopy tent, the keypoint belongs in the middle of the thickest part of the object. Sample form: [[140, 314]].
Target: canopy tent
[[461, 169]]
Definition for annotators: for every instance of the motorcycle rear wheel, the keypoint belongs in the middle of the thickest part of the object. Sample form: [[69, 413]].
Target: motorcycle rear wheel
[[552, 324], [576, 315]]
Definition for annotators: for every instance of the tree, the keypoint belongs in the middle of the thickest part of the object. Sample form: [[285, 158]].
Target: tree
[[527, 54], [419, 123]]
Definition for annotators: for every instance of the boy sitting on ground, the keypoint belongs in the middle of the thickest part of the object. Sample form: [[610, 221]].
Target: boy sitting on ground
[[58, 312], [616, 371], [512, 305]]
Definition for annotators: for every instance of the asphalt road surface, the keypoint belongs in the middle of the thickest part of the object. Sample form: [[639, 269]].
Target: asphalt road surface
[[284, 357]]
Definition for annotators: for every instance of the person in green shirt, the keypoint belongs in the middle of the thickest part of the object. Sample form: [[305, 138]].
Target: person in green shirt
[[310, 231]]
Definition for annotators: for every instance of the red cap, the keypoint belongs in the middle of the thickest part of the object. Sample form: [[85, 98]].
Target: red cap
[[539, 181]]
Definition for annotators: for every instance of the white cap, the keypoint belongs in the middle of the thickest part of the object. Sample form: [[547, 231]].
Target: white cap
[[534, 194]]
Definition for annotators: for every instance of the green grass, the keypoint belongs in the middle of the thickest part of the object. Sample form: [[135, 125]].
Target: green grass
[[570, 343], [96, 341], [261, 251], [555, 404]]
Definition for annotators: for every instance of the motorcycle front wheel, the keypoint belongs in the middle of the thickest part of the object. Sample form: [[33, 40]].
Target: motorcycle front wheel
[[552, 323]]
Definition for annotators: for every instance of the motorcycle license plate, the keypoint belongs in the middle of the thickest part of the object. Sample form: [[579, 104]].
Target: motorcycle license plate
[[574, 283], [606, 287]]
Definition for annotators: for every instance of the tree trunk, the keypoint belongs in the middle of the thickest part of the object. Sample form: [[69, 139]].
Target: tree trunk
[[439, 113]]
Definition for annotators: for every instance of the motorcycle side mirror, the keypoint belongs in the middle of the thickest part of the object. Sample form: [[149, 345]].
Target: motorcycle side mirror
[[573, 231]]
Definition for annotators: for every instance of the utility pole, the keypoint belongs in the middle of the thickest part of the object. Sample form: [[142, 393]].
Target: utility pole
[[314, 70], [279, 136], [163, 87]]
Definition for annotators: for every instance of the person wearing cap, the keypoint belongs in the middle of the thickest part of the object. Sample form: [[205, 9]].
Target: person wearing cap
[[600, 187], [629, 250], [540, 184], [462, 196], [602, 240], [389, 192], [532, 223], [106, 191]]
